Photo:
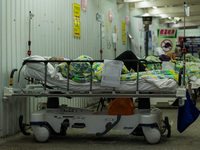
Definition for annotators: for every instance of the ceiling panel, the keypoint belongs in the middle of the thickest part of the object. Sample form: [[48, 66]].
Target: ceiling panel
[[169, 8]]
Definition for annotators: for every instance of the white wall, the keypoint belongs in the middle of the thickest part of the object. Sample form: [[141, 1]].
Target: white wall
[[138, 35], [118, 16], [10, 48], [51, 35]]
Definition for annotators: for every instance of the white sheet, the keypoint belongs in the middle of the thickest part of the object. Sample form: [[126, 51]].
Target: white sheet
[[195, 82], [40, 66], [145, 84]]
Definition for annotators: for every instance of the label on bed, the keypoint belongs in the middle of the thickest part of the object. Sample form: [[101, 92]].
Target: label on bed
[[111, 73]]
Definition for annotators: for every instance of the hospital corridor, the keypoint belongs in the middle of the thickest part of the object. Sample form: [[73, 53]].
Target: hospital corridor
[[99, 74]]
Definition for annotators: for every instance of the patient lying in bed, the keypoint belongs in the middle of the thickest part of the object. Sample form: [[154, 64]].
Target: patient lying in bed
[[159, 79], [81, 71], [131, 65]]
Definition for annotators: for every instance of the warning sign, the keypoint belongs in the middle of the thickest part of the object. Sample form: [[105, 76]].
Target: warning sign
[[167, 39], [123, 32], [166, 45], [77, 20]]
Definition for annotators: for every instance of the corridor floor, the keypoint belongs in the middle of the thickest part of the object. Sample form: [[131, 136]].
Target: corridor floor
[[77, 139]]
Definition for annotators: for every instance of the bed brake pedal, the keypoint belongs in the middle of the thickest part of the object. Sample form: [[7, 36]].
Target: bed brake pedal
[[109, 126]]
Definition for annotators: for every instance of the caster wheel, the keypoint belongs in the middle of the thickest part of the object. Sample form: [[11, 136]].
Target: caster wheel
[[152, 134], [42, 133]]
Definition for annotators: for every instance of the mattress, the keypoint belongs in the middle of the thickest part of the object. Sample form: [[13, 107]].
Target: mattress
[[192, 72]]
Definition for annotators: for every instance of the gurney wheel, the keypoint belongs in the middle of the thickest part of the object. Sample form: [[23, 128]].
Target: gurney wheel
[[151, 134], [41, 133]]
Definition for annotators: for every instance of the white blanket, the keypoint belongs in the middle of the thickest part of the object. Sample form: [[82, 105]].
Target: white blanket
[[145, 84]]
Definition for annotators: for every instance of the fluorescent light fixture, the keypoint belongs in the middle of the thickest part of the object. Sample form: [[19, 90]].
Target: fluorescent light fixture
[[154, 7], [177, 18], [146, 15], [163, 16], [175, 22], [132, 1], [169, 18]]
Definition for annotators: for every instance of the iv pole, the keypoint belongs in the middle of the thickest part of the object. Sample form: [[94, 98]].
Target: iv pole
[[29, 41], [184, 49], [101, 49]]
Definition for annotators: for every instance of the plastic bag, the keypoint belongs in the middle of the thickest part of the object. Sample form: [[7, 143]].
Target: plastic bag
[[122, 106], [167, 65], [187, 114], [111, 73]]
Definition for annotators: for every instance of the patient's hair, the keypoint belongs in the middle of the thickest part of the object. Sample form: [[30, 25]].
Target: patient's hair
[[56, 58], [171, 55]]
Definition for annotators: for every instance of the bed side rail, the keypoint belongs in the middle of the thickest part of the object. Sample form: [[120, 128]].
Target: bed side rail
[[69, 62]]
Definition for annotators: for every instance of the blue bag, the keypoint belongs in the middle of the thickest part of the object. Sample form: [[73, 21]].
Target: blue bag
[[187, 114]]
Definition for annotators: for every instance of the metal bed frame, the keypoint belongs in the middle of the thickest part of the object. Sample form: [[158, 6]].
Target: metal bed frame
[[57, 120], [45, 92]]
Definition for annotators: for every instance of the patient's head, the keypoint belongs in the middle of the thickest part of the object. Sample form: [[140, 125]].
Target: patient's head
[[171, 55], [164, 57]]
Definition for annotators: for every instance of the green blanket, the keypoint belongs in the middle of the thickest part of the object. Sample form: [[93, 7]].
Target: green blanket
[[81, 71]]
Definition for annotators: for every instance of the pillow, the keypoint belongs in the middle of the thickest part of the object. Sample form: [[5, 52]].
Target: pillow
[[55, 58], [40, 65], [159, 51]]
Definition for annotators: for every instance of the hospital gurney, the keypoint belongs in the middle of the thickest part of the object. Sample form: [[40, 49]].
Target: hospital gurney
[[56, 119], [192, 75]]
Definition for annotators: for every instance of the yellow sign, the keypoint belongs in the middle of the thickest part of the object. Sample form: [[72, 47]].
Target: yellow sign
[[77, 20], [123, 32]]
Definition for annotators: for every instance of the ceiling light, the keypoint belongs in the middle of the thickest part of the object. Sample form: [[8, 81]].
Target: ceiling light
[[154, 7], [132, 1], [163, 16], [175, 22], [177, 18], [146, 15]]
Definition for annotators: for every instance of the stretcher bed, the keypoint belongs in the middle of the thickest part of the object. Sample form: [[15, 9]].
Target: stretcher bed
[[192, 69], [56, 120], [134, 84], [192, 78]]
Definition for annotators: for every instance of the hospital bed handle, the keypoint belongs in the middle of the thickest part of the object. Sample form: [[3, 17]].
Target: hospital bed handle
[[11, 76], [19, 76]]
